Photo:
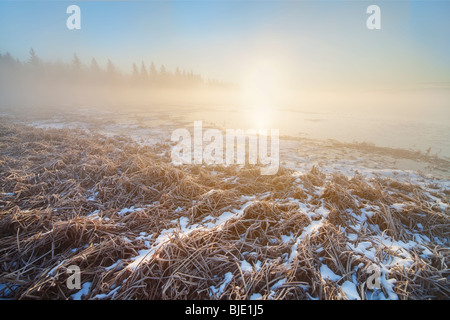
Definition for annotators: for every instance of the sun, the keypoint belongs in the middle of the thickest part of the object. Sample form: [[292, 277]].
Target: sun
[[262, 92]]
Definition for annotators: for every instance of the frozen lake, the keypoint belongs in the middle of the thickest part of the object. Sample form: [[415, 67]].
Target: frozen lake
[[420, 125]]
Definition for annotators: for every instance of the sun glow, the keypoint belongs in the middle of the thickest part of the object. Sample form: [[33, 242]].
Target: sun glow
[[262, 94]]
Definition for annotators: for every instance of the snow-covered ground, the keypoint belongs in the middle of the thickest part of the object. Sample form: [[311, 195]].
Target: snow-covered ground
[[300, 155]]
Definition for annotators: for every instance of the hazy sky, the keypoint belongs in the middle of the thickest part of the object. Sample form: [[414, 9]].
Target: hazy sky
[[323, 43]]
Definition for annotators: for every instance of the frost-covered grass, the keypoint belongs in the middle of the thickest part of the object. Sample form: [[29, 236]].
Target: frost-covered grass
[[140, 228]]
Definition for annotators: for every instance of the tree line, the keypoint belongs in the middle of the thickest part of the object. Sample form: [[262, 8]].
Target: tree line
[[141, 74]]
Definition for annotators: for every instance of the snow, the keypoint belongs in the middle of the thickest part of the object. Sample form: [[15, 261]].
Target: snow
[[278, 284], [184, 229], [128, 210], [127, 240], [51, 272], [352, 236], [313, 227], [246, 267], [426, 253], [255, 296], [95, 215], [146, 238], [103, 295], [365, 248], [218, 291], [84, 291], [398, 206], [350, 291], [328, 274], [375, 295], [396, 261], [183, 222], [7, 290], [144, 256], [224, 217], [7, 194], [399, 247], [388, 285], [92, 197], [114, 265], [57, 125], [299, 156]]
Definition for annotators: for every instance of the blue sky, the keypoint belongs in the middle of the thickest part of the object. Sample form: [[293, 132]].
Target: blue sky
[[313, 42]]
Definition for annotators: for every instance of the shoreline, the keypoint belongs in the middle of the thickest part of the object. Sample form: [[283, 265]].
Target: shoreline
[[157, 129]]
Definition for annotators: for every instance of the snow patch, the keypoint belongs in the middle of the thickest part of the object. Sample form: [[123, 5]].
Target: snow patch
[[85, 289], [218, 291], [350, 290], [327, 273]]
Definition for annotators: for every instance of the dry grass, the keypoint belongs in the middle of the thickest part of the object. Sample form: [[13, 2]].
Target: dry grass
[[62, 195]]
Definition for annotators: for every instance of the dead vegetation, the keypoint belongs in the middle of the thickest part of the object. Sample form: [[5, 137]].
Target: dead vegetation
[[76, 198]]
